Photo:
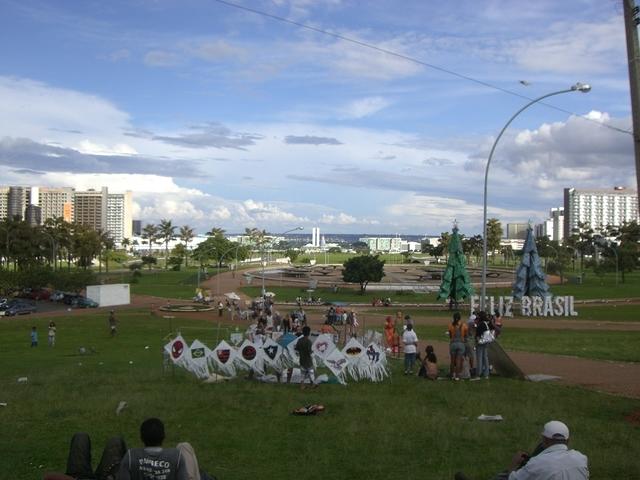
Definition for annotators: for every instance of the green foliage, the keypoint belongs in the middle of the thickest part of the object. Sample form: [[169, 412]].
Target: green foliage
[[148, 260], [363, 269], [494, 234], [456, 284], [292, 254]]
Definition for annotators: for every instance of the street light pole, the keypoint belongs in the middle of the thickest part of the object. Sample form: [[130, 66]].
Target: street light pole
[[578, 87]]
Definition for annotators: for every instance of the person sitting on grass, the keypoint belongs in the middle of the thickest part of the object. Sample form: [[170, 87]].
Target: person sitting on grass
[[551, 460], [429, 367], [156, 463]]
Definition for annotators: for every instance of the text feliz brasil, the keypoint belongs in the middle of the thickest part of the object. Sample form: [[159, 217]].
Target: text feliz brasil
[[529, 306]]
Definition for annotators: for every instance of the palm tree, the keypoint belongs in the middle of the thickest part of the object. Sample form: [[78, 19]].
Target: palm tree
[[186, 235], [215, 232], [125, 243], [150, 233], [166, 233]]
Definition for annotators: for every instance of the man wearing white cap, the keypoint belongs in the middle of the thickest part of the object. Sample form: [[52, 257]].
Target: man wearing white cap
[[552, 459], [555, 461]]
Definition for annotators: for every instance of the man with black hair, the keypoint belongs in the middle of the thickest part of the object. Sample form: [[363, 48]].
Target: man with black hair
[[303, 347], [153, 462]]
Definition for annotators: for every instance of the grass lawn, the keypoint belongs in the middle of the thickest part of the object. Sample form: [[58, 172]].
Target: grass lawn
[[600, 345], [401, 428], [167, 284]]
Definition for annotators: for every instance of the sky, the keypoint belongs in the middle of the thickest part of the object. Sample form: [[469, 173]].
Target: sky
[[216, 116]]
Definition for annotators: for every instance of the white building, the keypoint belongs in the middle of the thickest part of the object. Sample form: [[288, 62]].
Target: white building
[[119, 216], [599, 208], [553, 227], [384, 244]]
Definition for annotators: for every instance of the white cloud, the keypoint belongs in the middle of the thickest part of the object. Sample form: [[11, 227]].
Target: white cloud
[[160, 58], [86, 146], [345, 219], [365, 107]]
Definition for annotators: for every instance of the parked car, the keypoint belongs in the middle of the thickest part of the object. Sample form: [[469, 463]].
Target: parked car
[[56, 296], [39, 294], [69, 298], [20, 308], [84, 302]]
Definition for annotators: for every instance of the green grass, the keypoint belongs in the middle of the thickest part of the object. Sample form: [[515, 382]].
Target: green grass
[[401, 428], [167, 284], [597, 345]]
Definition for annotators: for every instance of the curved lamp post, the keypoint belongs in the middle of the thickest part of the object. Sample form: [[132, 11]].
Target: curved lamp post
[[578, 87], [263, 261]]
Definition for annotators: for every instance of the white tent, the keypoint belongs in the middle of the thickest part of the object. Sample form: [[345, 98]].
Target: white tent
[[232, 296]]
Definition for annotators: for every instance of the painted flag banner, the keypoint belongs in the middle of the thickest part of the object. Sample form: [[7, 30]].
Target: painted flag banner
[[337, 362], [377, 362], [222, 359], [249, 354], [272, 352], [178, 351], [323, 346], [358, 366], [198, 354], [354, 360]]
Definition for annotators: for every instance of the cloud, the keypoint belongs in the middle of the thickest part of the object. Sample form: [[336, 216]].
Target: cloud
[[119, 55], [216, 50], [345, 219], [160, 58], [310, 140], [563, 48], [437, 162], [365, 107], [211, 135], [22, 152]]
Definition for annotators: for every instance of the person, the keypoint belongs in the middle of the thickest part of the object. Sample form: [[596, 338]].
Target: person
[[303, 347], [79, 460], [410, 342], [457, 338], [389, 331], [153, 462], [469, 347], [52, 334], [220, 308], [34, 337], [551, 460], [113, 323], [482, 354], [497, 323], [429, 368]]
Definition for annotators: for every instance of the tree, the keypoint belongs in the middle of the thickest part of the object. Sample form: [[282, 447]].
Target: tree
[[473, 246], [456, 284], [186, 235], [217, 232], [149, 260], [86, 245], [292, 254], [494, 234], [150, 234], [363, 269], [628, 236], [444, 243], [530, 279], [166, 233]]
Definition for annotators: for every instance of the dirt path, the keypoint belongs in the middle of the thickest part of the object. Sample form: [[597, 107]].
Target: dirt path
[[618, 378]]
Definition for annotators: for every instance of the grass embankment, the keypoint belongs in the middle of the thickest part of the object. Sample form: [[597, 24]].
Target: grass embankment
[[401, 428], [167, 284]]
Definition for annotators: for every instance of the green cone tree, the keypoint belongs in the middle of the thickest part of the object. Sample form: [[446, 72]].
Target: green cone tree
[[456, 284], [530, 279]]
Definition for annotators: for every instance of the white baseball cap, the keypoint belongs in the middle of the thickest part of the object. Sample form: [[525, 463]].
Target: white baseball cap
[[555, 430]]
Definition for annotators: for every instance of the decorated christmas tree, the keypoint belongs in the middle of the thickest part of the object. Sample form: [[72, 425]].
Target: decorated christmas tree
[[530, 279], [455, 280]]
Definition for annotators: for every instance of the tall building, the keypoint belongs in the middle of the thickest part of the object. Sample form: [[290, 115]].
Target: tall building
[[18, 201], [90, 208], [4, 202], [136, 226], [599, 208], [315, 237], [55, 202], [553, 227], [517, 231], [119, 221]]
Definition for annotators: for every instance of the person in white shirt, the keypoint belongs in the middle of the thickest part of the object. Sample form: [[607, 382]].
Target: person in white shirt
[[555, 462], [410, 342], [552, 460]]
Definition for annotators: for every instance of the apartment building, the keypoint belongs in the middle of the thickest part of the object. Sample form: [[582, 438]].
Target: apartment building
[[599, 208]]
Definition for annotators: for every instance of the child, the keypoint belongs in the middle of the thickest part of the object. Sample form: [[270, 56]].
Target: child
[[429, 368], [34, 337], [52, 334]]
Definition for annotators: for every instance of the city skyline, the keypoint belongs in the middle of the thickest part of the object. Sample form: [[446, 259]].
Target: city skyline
[[219, 117]]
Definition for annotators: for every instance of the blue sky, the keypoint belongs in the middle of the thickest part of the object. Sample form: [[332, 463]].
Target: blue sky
[[218, 117]]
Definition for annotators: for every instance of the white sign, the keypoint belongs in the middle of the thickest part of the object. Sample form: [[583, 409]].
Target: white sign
[[529, 306]]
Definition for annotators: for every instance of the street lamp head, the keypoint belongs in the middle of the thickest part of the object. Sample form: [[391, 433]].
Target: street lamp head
[[581, 87]]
